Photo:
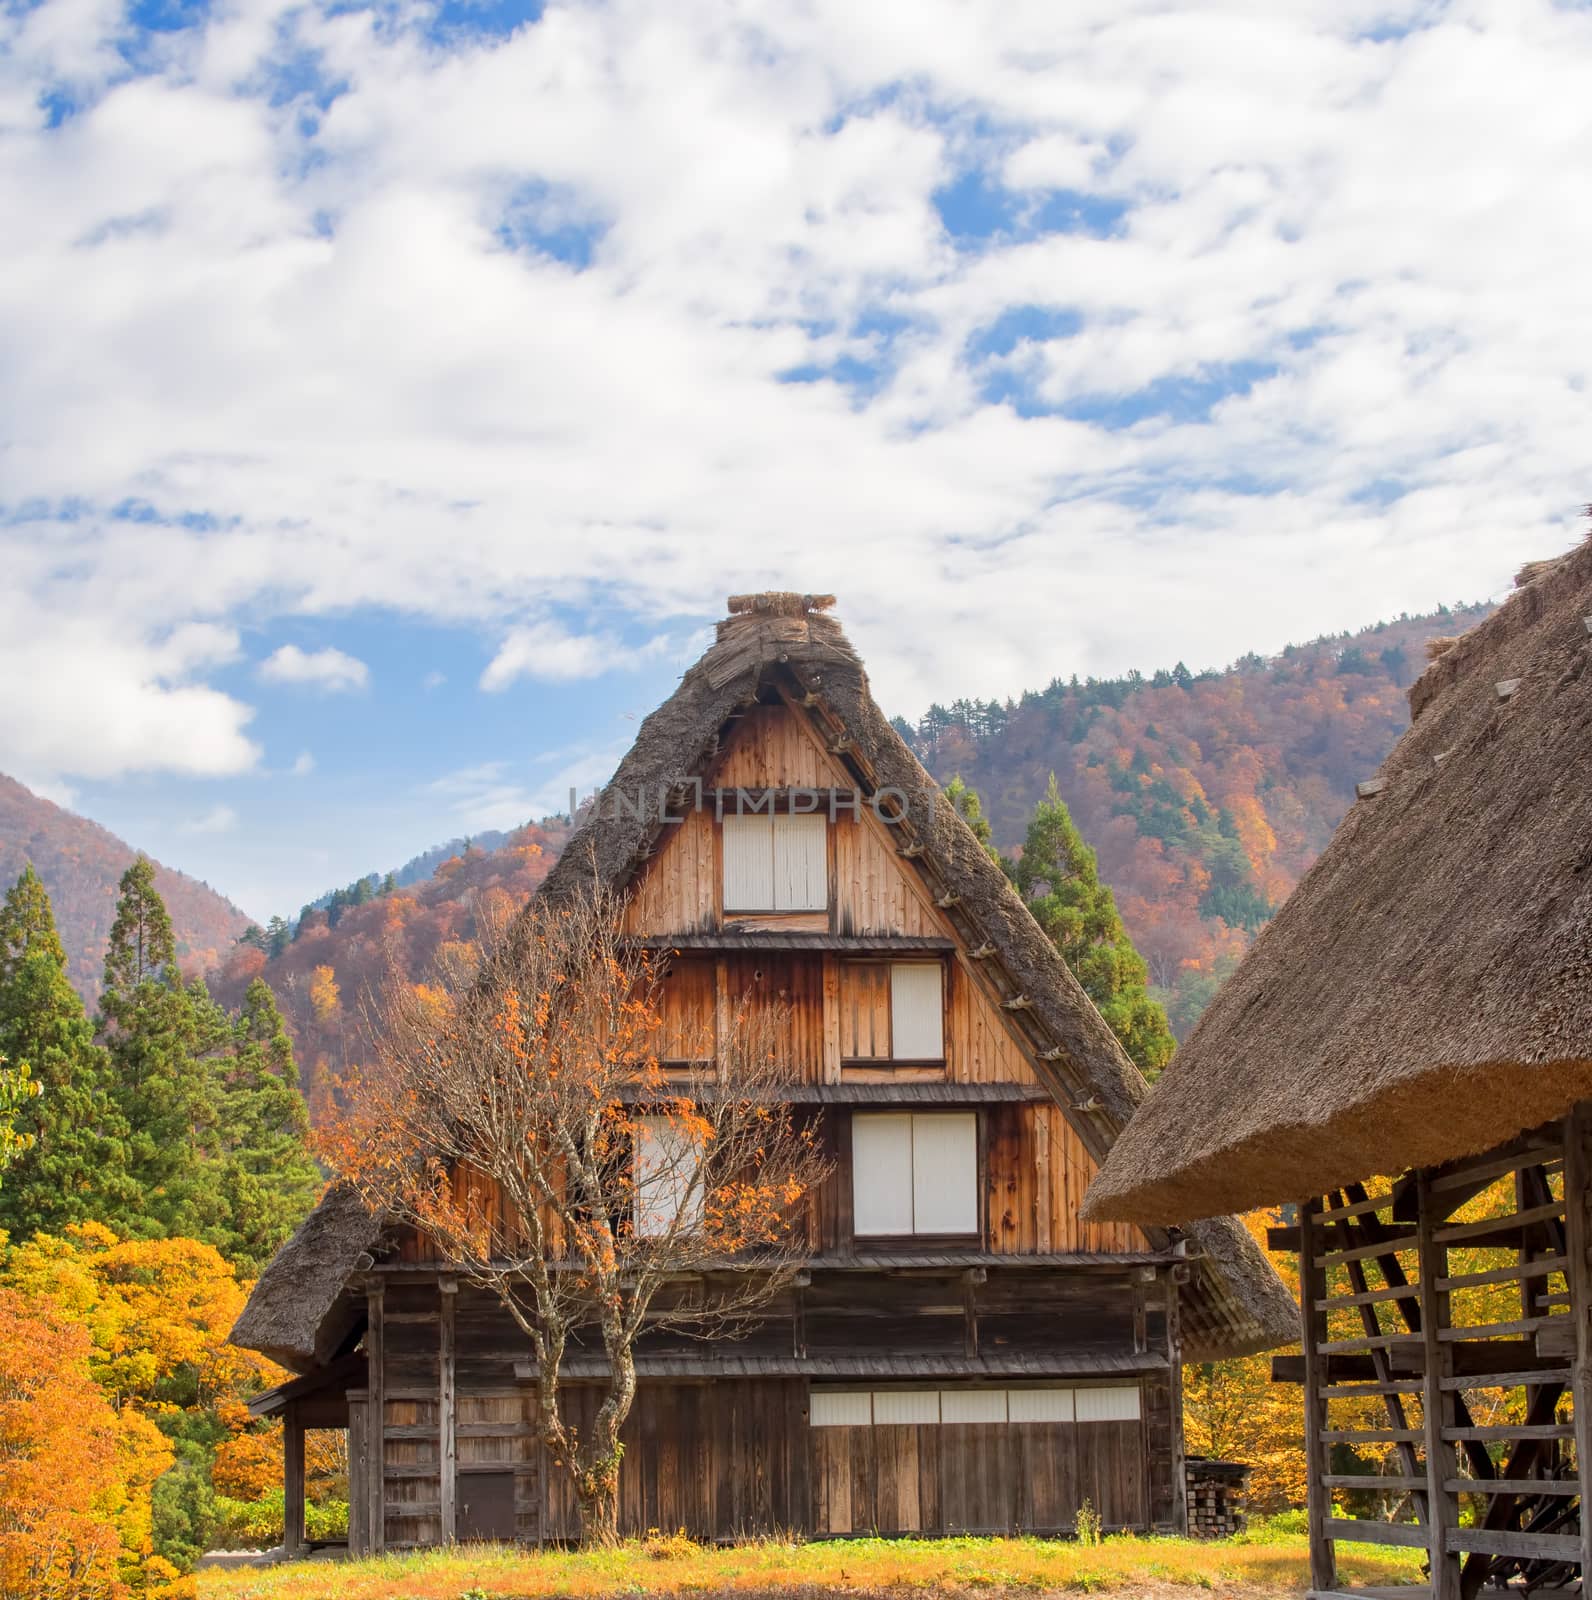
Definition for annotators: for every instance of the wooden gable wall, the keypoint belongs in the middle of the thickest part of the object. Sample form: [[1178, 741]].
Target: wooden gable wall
[[1037, 1168]]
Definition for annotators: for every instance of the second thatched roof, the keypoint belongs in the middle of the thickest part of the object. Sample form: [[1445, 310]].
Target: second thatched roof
[[1426, 993]]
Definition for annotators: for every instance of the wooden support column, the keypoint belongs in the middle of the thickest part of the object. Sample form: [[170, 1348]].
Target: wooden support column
[[1577, 1237], [1312, 1332], [1175, 1279], [358, 1470], [448, 1293], [1437, 1406], [971, 1279], [292, 1481], [1039, 1117], [831, 1064], [723, 1015], [376, 1417]]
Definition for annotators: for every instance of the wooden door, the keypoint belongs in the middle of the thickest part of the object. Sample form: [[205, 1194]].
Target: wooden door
[[486, 1506]]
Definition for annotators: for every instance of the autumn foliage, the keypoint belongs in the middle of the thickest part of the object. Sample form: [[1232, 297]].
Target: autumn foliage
[[1205, 796], [328, 977], [75, 1470]]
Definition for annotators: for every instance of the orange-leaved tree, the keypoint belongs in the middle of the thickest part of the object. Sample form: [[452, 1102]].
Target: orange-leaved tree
[[74, 1473], [517, 1114], [1233, 1410]]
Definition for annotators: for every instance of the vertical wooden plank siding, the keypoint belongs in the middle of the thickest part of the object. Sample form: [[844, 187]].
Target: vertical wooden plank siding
[[865, 1010], [447, 1407], [1442, 1508], [1578, 1237], [292, 1480], [833, 1018], [376, 1418], [1313, 1287]]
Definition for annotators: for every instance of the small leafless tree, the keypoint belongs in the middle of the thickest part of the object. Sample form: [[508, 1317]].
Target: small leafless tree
[[518, 1115]]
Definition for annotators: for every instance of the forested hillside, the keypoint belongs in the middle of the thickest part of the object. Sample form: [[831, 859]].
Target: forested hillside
[[326, 967], [80, 863], [1206, 796]]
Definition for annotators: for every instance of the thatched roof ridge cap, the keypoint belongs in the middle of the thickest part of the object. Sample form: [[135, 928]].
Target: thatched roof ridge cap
[[1517, 612]]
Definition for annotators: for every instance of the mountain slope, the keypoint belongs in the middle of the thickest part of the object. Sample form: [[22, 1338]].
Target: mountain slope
[[1206, 797], [325, 979], [81, 864]]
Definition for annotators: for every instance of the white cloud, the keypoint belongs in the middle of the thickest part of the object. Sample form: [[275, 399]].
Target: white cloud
[[303, 764], [546, 651], [218, 819], [310, 372], [328, 670]]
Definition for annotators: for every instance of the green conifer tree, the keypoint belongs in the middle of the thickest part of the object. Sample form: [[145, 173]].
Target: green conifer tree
[[268, 1178], [164, 1084], [971, 810], [75, 1166], [1059, 877]]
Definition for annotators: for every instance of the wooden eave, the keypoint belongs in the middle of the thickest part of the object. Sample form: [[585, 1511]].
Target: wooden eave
[[949, 1092], [1060, 1363], [347, 1373], [868, 1260], [753, 941]]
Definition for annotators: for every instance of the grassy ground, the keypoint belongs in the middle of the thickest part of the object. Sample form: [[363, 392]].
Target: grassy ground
[[1157, 1569]]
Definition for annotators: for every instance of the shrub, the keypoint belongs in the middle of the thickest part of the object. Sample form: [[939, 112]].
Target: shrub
[[258, 1524]]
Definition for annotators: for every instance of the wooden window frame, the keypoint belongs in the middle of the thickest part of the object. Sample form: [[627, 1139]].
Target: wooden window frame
[[817, 919], [974, 1239], [941, 1063]]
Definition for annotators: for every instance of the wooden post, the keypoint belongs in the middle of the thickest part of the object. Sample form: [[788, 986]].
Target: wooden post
[[831, 1064], [1312, 1333], [1174, 1360], [1579, 1279], [358, 1469], [446, 1407], [1442, 1508], [1039, 1117], [292, 1481], [971, 1279], [376, 1418]]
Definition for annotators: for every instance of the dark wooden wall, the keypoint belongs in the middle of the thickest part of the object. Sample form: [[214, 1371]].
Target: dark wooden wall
[[723, 1459], [1028, 1477]]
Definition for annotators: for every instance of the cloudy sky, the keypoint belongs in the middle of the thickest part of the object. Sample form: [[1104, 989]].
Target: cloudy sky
[[391, 393]]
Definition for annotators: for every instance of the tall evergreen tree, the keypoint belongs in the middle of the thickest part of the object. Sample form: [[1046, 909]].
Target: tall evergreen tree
[[268, 1178], [164, 1086], [1059, 877], [76, 1167], [971, 810]]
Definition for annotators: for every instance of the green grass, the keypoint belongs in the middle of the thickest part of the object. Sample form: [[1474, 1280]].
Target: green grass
[[1257, 1567]]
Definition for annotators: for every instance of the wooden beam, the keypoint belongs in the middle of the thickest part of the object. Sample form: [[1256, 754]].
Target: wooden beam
[[376, 1418], [831, 1004], [292, 1481], [1579, 1277], [1174, 1361], [1313, 1327], [1437, 1403], [448, 1293]]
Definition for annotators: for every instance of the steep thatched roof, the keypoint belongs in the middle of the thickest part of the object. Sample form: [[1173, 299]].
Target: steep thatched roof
[[1427, 990], [1235, 1302], [300, 1314]]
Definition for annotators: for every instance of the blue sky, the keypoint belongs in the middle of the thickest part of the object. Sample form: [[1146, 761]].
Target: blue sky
[[390, 394]]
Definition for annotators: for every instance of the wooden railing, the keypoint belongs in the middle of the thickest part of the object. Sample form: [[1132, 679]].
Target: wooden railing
[[1455, 1301]]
